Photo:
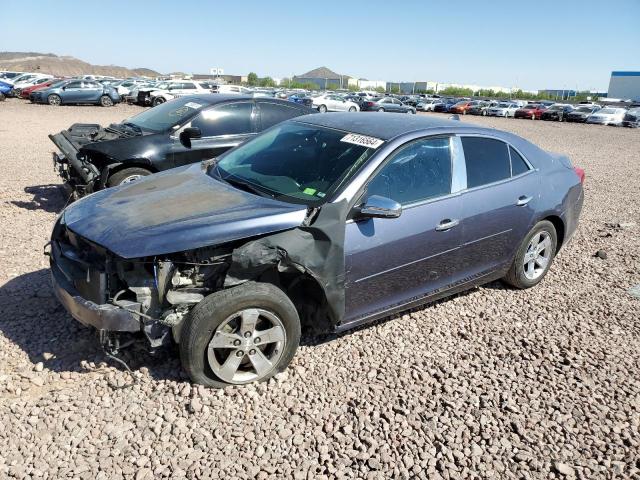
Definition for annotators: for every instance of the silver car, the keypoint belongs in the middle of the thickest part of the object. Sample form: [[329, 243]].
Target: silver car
[[608, 116]]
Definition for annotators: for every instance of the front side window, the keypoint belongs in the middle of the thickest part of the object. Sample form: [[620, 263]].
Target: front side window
[[226, 119], [188, 86], [487, 160], [74, 85], [294, 162], [418, 171]]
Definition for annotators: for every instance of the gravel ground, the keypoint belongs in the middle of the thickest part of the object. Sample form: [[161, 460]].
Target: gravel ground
[[495, 383]]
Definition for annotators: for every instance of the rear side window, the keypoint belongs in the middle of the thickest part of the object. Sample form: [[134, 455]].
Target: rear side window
[[273, 113], [487, 160], [418, 171], [227, 119], [518, 165]]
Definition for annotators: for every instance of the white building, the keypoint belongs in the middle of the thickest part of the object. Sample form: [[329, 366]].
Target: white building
[[624, 85]]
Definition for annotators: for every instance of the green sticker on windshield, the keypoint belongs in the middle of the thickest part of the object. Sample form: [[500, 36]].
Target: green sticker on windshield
[[309, 191]]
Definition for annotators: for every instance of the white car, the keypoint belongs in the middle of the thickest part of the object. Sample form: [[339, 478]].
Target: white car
[[125, 86], [230, 89], [608, 116], [23, 78], [427, 104], [334, 103], [503, 109], [175, 89]]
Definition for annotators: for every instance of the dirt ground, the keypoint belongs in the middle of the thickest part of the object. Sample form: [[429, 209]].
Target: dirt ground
[[543, 383]]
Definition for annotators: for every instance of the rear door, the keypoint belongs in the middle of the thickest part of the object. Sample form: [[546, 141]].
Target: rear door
[[394, 261], [223, 127], [498, 205], [91, 91]]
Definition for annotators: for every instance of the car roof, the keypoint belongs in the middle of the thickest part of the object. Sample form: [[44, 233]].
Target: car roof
[[384, 126]]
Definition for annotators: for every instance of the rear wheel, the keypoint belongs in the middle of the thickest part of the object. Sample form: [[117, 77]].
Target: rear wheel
[[352, 109], [534, 256], [127, 175], [106, 101], [484, 113], [322, 109], [381, 110], [533, 116], [158, 101], [54, 100], [241, 335], [2, 97]]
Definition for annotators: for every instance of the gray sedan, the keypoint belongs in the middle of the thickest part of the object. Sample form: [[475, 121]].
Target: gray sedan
[[325, 222], [390, 104]]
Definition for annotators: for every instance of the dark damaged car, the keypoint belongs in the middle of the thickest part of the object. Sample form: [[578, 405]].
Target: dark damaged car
[[183, 131], [323, 222]]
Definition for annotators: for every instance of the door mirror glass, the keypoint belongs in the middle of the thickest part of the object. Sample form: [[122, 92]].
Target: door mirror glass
[[380, 207]]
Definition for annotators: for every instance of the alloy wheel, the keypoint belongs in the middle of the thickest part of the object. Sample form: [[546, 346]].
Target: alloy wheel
[[130, 178], [247, 346], [538, 254]]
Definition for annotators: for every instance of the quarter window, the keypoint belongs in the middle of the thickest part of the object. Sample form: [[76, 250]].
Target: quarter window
[[418, 171], [487, 160], [518, 165]]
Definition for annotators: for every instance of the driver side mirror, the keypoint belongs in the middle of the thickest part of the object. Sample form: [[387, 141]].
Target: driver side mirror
[[380, 207], [188, 133]]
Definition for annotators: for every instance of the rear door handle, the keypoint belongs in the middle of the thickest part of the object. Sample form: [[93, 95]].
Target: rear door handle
[[523, 200], [446, 224]]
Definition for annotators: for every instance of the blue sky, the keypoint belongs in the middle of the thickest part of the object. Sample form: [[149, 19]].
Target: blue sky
[[529, 44]]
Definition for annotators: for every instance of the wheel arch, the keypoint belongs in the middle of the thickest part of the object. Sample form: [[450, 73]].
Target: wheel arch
[[114, 168], [558, 224]]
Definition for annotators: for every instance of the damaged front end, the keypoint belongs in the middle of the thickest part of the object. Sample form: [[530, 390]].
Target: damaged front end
[[115, 295], [82, 173]]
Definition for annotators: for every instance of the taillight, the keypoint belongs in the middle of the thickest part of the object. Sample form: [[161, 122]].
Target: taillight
[[580, 172]]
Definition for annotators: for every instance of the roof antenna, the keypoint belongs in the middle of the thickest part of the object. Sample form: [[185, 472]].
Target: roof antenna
[[455, 116]]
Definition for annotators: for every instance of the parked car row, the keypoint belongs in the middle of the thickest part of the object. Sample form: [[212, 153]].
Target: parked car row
[[290, 219], [544, 110]]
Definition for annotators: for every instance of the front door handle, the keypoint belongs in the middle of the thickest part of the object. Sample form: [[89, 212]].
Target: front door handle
[[523, 200], [446, 224]]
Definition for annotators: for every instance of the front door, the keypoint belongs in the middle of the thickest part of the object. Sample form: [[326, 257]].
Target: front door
[[392, 262], [223, 127]]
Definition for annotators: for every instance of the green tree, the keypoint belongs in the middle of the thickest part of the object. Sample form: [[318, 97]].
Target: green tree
[[252, 78], [379, 89], [267, 82]]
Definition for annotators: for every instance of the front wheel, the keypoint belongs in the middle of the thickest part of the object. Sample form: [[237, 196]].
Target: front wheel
[[533, 116], [381, 110], [534, 256], [411, 111], [241, 335], [127, 175], [322, 109], [484, 113], [106, 101], [54, 100], [352, 109], [158, 101]]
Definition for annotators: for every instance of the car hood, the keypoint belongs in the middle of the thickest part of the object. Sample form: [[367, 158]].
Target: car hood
[[176, 210], [114, 143]]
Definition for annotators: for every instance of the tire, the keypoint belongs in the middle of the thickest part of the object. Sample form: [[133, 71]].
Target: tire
[[54, 100], [381, 110], [411, 112], [158, 101], [220, 312], [352, 109], [127, 175], [106, 101], [484, 113], [2, 97], [533, 116], [520, 276], [464, 112], [322, 109]]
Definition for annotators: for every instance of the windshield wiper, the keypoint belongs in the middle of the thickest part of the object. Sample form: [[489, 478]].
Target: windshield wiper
[[133, 126], [246, 186]]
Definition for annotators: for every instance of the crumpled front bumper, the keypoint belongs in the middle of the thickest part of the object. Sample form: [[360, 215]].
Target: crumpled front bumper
[[103, 317]]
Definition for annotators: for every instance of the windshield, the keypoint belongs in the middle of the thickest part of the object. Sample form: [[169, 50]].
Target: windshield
[[584, 109], [166, 115], [556, 108], [296, 162], [504, 105], [610, 110]]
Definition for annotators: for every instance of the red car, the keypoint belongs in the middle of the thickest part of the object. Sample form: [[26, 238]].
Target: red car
[[533, 111], [462, 107], [25, 92]]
